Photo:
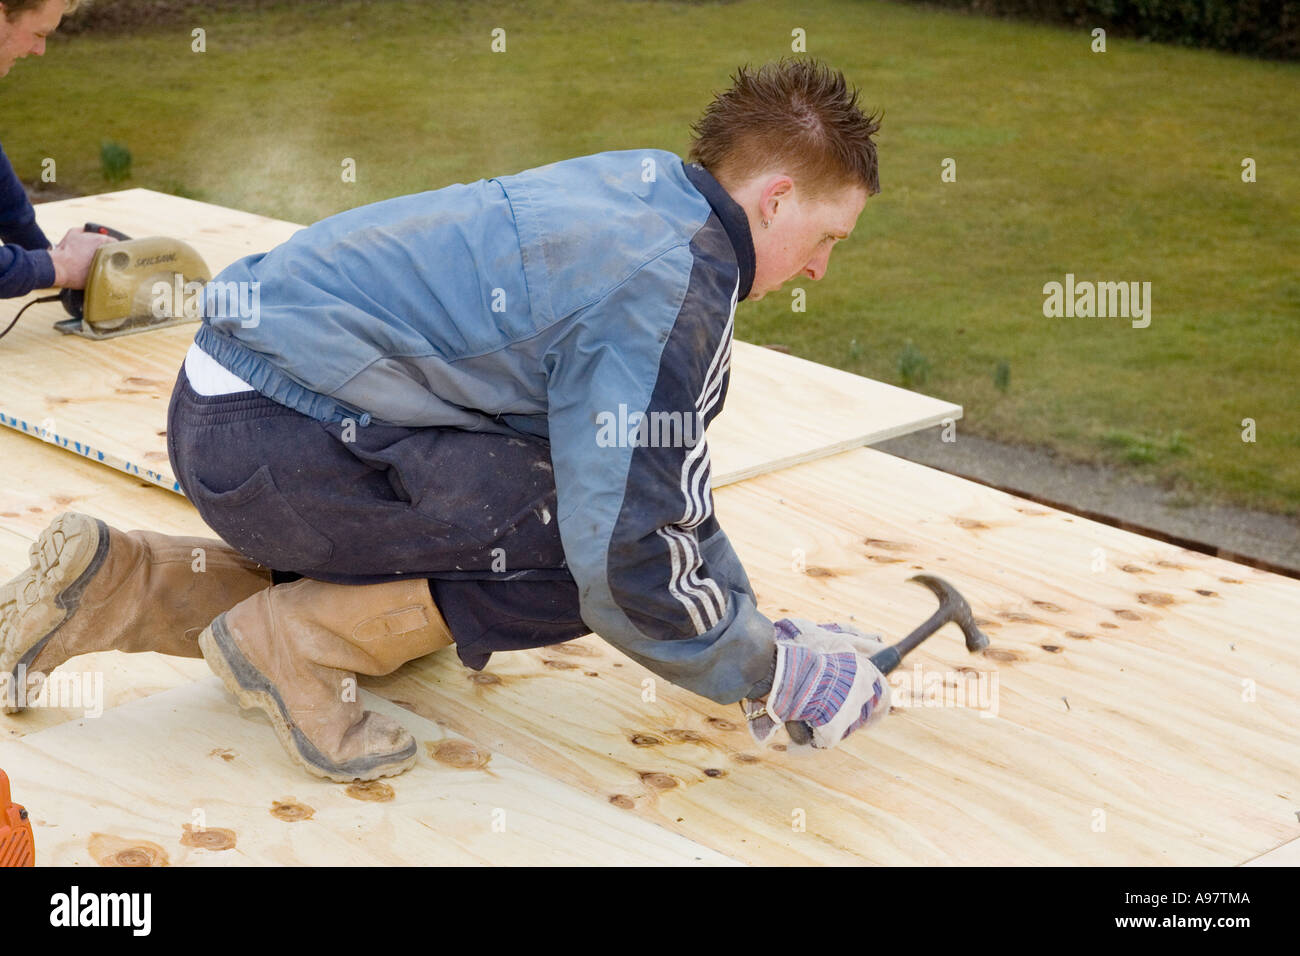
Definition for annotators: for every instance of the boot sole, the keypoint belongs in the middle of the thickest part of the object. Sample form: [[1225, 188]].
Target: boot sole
[[53, 564], [253, 690]]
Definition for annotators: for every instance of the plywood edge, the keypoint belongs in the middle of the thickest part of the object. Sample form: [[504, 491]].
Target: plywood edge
[[90, 452], [817, 368], [1288, 854], [953, 412], [167, 481], [140, 194]]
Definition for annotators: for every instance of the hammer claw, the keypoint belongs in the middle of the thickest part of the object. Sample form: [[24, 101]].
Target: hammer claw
[[952, 607]]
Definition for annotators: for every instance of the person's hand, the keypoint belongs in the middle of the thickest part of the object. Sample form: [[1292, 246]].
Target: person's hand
[[71, 257], [825, 681]]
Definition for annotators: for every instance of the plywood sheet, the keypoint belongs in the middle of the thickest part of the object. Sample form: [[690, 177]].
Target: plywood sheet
[[107, 400], [783, 410], [186, 761], [1141, 700], [1145, 696]]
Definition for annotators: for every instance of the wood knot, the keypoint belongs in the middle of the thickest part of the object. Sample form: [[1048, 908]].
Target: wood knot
[[658, 781], [110, 850], [1018, 616], [886, 545], [460, 754], [291, 811], [576, 650], [1156, 598], [373, 791], [135, 856], [208, 838], [684, 736]]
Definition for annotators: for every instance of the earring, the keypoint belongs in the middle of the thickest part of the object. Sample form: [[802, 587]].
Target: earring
[[764, 223]]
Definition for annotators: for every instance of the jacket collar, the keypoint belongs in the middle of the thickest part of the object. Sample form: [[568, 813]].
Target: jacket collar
[[734, 221]]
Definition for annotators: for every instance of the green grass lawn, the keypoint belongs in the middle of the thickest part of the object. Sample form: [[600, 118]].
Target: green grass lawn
[[1123, 166]]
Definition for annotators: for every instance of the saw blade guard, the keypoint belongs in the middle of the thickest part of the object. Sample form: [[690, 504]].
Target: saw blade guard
[[154, 280]]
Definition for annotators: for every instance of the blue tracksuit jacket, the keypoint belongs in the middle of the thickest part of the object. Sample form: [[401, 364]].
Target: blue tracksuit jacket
[[24, 262], [590, 302]]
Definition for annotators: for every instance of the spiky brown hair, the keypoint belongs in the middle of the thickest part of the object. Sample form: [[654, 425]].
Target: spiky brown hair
[[797, 116]]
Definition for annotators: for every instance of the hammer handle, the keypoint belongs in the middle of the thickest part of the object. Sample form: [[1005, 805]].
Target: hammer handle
[[889, 658]]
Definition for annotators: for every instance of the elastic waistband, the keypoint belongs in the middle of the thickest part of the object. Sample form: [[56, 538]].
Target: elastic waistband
[[270, 380], [222, 409]]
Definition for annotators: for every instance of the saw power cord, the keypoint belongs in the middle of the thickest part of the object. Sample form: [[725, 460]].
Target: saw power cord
[[48, 298]]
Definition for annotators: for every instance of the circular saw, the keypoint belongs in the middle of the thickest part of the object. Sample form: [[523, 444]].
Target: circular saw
[[135, 285]]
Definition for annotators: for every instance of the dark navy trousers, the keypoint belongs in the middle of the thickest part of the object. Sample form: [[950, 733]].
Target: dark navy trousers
[[473, 513]]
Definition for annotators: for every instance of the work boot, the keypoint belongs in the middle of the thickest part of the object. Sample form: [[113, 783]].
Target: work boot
[[91, 587], [293, 651]]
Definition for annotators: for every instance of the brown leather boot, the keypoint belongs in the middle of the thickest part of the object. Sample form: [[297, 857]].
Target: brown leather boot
[[293, 651], [91, 588]]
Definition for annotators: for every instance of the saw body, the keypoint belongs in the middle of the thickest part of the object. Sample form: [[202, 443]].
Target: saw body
[[132, 286]]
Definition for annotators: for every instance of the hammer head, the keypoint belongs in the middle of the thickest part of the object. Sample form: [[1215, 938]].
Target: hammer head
[[953, 606]]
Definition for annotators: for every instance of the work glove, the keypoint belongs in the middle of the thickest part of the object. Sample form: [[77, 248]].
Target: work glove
[[825, 681]]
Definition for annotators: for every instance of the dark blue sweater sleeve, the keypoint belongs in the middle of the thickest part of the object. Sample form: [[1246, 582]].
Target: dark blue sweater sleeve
[[24, 262]]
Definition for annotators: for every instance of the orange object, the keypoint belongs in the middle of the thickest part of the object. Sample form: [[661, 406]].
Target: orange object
[[16, 845]]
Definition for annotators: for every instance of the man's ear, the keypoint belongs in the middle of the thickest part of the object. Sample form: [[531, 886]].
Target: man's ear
[[784, 188], [779, 191]]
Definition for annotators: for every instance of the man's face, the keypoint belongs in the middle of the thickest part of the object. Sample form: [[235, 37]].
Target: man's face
[[800, 234], [26, 35]]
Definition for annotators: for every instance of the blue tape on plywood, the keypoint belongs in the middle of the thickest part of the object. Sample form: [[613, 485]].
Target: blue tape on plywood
[[52, 437]]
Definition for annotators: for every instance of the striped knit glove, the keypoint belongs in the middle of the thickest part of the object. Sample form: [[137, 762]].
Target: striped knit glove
[[824, 679]]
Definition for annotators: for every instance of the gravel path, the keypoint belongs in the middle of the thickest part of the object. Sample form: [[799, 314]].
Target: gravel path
[[1108, 494]]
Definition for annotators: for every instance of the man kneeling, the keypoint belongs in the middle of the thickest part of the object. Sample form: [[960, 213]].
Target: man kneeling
[[405, 443]]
